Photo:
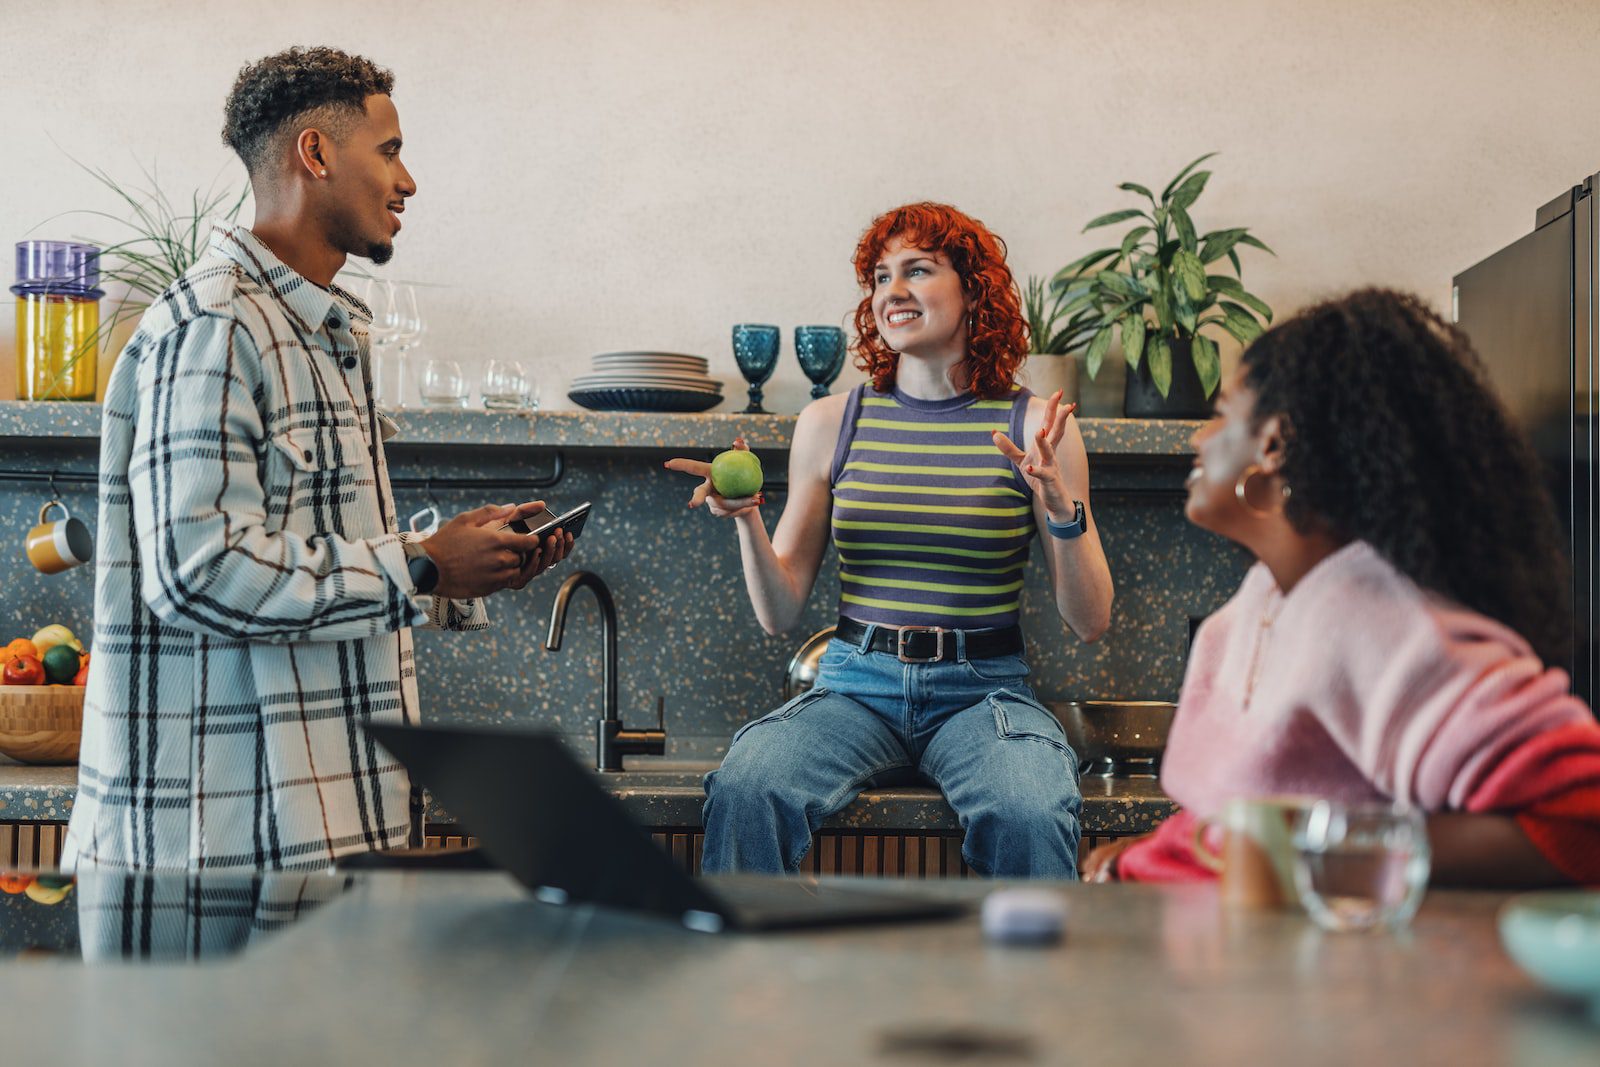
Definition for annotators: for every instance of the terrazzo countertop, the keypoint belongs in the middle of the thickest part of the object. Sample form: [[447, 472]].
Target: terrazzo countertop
[[672, 797], [66, 421]]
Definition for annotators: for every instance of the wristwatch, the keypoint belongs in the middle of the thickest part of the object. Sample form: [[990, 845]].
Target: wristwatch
[[424, 572], [1068, 530]]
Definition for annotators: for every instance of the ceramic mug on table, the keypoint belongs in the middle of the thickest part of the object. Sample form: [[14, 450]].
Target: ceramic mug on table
[[1256, 861], [61, 544]]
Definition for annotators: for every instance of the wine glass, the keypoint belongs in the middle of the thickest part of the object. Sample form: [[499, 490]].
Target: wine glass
[[408, 324], [821, 353], [388, 367], [755, 349], [506, 386]]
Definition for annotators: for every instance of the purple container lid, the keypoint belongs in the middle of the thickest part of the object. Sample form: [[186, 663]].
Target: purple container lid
[[65, 267]]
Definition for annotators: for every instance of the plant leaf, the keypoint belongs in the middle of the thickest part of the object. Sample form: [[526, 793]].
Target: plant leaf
[[1218, 244], [1118, 283], [1135, 187], [1190, 190], [1234, 256], [1254, 243], [1097, 350], [1132, 338], [1114, 217], [1207, 362], [1131, 238], [1078, 266], [1160, 356], [1239, 322], [1185, 228], [1173, 184], [1190, 273]]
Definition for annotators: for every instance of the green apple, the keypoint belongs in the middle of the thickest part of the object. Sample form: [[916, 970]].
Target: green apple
[[736, 474]]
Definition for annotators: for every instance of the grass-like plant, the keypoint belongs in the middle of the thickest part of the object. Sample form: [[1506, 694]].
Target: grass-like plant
[[166, 239], [1153, 287]]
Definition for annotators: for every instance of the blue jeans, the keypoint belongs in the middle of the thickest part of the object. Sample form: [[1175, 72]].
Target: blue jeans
[[974, 727]]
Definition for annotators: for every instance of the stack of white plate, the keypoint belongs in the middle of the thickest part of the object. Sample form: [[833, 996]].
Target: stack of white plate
[[646, 381]]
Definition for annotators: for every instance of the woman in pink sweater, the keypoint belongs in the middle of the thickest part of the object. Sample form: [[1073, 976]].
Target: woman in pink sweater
[[1391, 641]]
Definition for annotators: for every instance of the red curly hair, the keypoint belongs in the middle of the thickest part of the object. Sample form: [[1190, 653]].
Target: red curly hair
[[997, 341]]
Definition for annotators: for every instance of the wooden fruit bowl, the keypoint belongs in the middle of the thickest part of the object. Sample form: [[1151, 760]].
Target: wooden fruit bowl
[[41, 723]]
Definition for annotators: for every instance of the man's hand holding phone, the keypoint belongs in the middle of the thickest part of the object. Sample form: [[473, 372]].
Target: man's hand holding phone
[[478, 554]]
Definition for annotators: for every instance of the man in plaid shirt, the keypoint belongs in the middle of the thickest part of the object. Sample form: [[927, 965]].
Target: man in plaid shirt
[[254, 597]]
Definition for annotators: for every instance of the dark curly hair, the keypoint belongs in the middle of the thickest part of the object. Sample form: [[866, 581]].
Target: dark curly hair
[[998, 340], [1395, 437], [269, 94]]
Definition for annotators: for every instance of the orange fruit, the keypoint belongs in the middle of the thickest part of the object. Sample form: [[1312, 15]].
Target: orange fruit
[[22, 647]]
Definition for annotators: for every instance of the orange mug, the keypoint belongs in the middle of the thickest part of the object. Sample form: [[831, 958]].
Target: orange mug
[[1256, 861], [59, 545]]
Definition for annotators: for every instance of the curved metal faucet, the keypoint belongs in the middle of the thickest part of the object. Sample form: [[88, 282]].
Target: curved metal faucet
[[612, 739]]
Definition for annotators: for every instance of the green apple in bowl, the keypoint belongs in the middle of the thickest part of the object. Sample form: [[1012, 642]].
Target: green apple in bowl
[[736, 474]]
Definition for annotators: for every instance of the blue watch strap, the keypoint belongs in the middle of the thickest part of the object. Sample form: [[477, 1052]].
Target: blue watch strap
[[1068, 530]]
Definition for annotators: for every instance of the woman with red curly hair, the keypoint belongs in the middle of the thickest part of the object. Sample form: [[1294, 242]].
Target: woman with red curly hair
[[931, 507]]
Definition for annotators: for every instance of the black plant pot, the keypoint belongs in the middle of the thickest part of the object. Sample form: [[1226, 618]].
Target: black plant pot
[[1186, 399]]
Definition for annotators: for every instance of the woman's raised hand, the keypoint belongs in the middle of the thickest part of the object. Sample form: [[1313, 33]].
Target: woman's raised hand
[[704, 494], [1038, 464]]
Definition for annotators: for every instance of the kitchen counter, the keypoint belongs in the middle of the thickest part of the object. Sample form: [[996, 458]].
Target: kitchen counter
[[466, 968], [670, 796], [61, 421]]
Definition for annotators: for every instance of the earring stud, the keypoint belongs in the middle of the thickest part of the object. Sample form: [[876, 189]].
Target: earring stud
[[323, 172]]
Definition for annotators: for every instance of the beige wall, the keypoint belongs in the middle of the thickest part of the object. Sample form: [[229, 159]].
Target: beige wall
[[612, 174]]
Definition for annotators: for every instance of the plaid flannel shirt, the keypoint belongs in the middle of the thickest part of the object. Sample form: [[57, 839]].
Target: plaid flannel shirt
[[252, 601]]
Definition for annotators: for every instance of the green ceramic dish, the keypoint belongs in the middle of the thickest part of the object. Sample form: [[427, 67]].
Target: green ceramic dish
[[1555, 936]]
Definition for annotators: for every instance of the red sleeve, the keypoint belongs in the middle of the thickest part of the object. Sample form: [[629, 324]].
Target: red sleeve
[[1551, 783]]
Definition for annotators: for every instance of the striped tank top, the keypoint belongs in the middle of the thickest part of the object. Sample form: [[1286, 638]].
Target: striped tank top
[[930, 521]]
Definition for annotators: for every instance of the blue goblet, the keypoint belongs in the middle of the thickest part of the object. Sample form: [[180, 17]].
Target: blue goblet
[[821, 352], [755, 349]]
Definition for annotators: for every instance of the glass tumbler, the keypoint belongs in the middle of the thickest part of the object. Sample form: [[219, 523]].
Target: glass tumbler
[[505, 386], [441, 383], [1359, 866]]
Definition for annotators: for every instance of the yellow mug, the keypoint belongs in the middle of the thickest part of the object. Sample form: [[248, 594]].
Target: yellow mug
[[1256, 862], [59, 545]]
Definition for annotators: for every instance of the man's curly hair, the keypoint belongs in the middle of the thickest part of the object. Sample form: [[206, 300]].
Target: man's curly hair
[[273, 92], [1395, 437]]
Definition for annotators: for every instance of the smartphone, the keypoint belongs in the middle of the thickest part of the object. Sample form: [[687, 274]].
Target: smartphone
[[546, 522]]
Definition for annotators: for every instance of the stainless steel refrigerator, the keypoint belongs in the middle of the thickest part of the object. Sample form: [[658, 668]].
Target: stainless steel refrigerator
[[1530, 310]]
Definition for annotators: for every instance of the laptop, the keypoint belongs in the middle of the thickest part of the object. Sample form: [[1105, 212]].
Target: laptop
[[541, 816]]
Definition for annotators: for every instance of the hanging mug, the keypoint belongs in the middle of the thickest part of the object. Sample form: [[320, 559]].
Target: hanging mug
[[425, 523], [59, 545]]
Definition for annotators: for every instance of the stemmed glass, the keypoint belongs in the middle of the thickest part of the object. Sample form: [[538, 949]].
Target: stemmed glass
[[755, 349], [821, 353], [388, 368], [408, 324]]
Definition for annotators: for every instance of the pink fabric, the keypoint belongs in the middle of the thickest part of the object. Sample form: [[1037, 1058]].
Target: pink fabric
[[1552, 783], [1367, 688]]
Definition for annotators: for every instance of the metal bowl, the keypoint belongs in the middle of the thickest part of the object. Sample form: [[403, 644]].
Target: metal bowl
[[1117, 735], [802, 673]]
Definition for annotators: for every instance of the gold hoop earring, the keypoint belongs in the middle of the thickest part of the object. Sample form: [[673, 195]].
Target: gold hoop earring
[[1241, 492]]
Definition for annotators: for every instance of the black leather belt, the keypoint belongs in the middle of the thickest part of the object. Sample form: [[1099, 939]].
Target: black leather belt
[[932, 644]]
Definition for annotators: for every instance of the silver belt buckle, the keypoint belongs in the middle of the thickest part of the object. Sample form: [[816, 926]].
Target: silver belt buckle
[[938, 644]]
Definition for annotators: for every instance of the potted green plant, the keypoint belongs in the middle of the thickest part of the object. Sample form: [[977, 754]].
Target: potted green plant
[[1051, 364], [1153, 290]]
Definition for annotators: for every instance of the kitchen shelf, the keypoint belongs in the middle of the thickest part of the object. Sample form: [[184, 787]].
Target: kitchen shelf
[[576, 430]]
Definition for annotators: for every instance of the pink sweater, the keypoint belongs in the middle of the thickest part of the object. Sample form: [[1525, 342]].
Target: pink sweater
[[1366, 687]]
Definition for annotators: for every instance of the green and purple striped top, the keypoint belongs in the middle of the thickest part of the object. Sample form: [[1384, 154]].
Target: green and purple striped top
[[930, 520]]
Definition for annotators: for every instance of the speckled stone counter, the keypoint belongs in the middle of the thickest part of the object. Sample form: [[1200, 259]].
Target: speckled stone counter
[[578, 429], [444, 968], [686, 630], [673, 798]]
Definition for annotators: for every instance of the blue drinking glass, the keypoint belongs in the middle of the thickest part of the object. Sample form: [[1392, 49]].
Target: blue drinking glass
[[755, 349], [821, 351]]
